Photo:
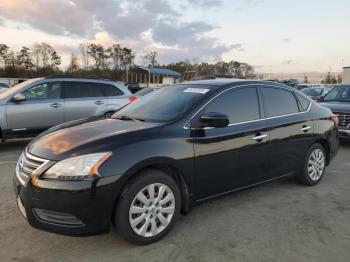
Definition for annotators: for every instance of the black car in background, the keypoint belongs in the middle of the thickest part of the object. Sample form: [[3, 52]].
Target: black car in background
[[315, 93], [338, 100], [160, 155]]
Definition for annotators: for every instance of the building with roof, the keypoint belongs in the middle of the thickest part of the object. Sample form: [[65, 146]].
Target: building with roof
[[346, 74], [152, 76]]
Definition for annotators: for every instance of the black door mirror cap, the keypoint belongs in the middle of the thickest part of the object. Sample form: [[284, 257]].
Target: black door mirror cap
[[214, 119]]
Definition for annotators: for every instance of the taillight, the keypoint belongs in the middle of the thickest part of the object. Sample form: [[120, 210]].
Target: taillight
[[133, 98], [335, 119]]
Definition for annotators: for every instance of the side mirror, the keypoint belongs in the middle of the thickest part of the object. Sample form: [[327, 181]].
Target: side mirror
[[19, 98], [213, 119]]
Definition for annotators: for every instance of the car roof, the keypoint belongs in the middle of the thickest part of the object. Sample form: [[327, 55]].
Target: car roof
[[228, 82]]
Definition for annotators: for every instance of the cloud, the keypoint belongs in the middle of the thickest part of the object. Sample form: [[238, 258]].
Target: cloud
[[125, 21], [287, 40], [205, 3], [287, 62]]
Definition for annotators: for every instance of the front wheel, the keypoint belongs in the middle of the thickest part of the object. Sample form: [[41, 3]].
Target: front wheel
[[315, 166], [148, 207]]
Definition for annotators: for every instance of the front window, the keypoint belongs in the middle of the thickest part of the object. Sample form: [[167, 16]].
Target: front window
[[339, 94], [14, 89], [240, 105], [44, 91], [165, 104]]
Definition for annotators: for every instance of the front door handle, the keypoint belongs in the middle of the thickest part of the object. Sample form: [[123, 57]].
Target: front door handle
[[260, 137], [98, 102], [305, 128], [56, 105]]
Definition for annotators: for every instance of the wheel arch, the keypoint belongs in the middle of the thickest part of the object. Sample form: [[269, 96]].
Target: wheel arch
[[168, 166], [326, 146]]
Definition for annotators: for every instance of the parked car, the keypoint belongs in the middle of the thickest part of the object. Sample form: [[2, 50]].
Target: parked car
[[315, 93], [291, 82], [38, 104], [160, 156], [3, 87], [338, 100]]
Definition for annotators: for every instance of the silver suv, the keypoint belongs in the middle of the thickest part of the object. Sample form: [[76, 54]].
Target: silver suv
[[38, 104]]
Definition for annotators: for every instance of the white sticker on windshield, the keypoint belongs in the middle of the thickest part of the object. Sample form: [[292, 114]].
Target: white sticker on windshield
[[196, 90]]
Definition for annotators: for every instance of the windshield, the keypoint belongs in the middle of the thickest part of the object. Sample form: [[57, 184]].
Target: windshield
[[339, 93], [165, 104], [312, 91], [10, 91]]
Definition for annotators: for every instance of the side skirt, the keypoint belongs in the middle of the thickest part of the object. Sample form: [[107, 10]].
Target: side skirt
[[245, 187]]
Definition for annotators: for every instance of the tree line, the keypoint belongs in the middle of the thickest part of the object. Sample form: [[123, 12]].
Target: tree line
[[91, 59]]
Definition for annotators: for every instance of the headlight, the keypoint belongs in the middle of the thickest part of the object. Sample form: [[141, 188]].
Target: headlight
[[77, 168]]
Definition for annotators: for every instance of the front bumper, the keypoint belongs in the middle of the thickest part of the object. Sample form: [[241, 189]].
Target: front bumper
[[81, 208]]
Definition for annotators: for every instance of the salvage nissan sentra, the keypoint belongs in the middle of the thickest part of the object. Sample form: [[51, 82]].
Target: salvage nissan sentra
[[162, 154]]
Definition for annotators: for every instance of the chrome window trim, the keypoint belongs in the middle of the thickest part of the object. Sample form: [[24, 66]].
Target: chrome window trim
[[38, 171], [251, 121]]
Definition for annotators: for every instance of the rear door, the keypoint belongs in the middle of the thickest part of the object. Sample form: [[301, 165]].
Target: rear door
[[42, 109], [116, 97], [82, 100], [291, 130]]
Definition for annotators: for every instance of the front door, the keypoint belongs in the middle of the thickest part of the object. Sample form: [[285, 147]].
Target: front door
[[42, 109], [237, 155]]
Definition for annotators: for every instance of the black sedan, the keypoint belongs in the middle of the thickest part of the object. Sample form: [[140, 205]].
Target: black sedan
[[338, 100], [174, 148]]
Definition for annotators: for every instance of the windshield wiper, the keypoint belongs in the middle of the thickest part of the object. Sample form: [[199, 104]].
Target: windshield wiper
[[121, 117]]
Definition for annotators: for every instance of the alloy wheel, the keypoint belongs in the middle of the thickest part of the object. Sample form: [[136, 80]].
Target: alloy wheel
[[152, 210], [316, 164]]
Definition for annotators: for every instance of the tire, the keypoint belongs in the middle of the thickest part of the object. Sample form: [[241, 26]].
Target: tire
[[151, 221], [313, 170]]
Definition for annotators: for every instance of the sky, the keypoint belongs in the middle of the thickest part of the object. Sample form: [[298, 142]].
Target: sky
[[275, 36]]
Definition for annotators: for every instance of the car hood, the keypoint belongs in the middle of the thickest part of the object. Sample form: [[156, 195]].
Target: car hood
[[338, 107], [83, 138]]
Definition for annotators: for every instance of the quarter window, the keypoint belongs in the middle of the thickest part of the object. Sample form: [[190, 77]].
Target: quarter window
[[240, 105], [278, 102], [305, 103], [111, 90], [44, 91], [82, 90]]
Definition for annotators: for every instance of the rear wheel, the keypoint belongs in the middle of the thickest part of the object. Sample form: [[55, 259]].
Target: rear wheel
[[315, 165], [148, 207]]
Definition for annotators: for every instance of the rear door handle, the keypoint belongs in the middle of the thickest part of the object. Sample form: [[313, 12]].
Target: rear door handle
[[260, 137], [99, 102], [305, 128], [56, 105]]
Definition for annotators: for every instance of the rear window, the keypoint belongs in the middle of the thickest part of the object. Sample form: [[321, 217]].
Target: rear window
[[82, 90], [278, 102]]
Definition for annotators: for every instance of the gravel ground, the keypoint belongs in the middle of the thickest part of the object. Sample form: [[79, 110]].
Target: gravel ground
[[280, 221]]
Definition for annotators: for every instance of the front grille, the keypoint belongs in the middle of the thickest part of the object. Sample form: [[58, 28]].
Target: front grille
[[344, 119], [27, 164]]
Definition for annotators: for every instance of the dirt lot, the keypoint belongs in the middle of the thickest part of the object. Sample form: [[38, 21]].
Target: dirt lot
[[282, 221]]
